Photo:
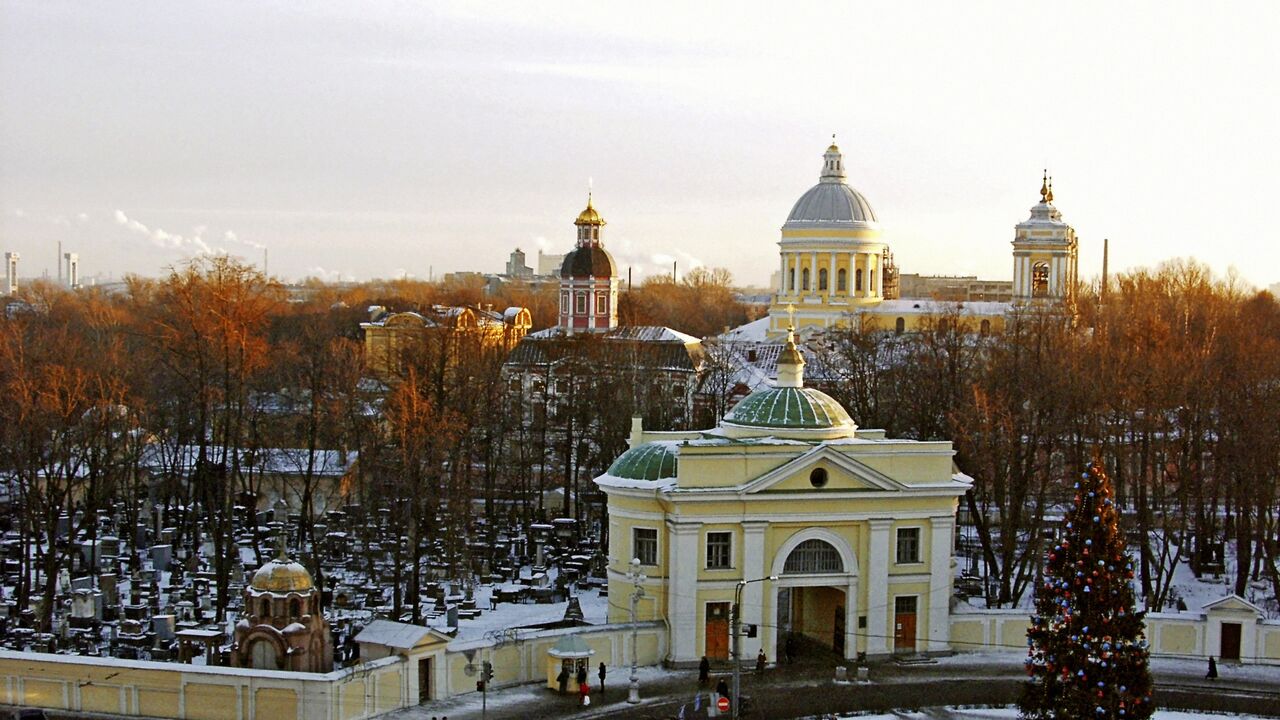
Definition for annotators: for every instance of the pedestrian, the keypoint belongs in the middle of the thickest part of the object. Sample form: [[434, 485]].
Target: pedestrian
[[601, 674], [584, 691], [563, 679], [582, 674], [704, 672], [1213, 670], [722, 688], [760, 662]]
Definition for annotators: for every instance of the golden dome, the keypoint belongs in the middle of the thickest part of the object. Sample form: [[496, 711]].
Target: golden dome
[[282, 575], [589, 216], [832, 148]]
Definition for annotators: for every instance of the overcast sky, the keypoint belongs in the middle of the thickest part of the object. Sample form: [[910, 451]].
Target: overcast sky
[[373, 139]]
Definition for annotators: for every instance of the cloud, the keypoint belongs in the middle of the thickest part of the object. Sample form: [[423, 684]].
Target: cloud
[[232, 237], [164, 239]]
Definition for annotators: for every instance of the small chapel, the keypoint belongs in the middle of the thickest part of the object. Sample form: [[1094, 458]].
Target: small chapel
[[829, 533], [283, 626]]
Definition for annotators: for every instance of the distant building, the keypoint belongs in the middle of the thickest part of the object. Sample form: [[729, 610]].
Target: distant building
[[11, 273], [836, 268], [588, 279], [549, 264], [283, 625], [516, 267], [389, 337]]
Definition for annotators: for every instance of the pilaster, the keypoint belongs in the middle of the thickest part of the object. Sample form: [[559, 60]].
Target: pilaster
[[878, 587]]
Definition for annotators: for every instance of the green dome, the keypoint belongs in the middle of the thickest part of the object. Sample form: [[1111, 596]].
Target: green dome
[[789, 408], [650, 461]]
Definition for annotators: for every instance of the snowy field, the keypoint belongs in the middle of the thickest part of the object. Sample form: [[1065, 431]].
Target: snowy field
[[1009, 713]]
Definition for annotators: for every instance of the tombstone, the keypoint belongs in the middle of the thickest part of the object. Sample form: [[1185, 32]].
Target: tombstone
[[161, 556], [574, 609], [164, 625], [451, 616], [86, 605]]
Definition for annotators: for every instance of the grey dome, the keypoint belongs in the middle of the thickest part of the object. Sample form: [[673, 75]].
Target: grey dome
[[588, 261], [831, 203]]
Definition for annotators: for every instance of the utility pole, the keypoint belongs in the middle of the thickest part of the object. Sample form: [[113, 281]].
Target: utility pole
[[737, 640], [637, 579]]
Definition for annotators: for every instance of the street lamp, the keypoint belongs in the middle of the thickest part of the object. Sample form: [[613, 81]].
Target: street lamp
[[637, 579], [737, 639]]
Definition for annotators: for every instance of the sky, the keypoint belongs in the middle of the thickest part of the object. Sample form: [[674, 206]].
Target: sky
[[377, 139]]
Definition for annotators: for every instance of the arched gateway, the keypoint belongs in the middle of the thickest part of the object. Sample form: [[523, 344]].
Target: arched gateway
[[823, 529]]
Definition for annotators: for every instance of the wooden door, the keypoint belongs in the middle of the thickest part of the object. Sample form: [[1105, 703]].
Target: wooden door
[[717, 631], [424, 680], [904, 625], [1230, 641], [837, 642]]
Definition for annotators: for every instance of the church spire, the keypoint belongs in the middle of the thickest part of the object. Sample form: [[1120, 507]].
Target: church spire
[[790, 361], [1044, 186], [1049, 197], [832, 164]]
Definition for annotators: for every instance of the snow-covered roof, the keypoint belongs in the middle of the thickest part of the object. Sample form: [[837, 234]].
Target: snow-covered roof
[[401, 636]]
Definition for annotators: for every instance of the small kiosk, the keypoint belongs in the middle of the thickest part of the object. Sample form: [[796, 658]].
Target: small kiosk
[[571, 653]]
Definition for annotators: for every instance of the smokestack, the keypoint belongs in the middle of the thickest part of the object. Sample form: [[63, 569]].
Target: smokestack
[[1103, 294], [674, 277], [264, 263], [59, 262], [628, 278]]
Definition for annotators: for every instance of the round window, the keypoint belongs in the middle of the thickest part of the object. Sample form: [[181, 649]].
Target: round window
[[818, 478]]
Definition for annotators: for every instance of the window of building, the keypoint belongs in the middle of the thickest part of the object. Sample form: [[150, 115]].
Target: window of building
[[813, 557], [857, 280], [871, 281], [818, 478], [900, 325], [580, 303], [804, 279], [985, 327], [564, 302], [602, 303], [644, 545], [822, 279], [719, 547], [1040, 280], [908, 545], [842, 280]]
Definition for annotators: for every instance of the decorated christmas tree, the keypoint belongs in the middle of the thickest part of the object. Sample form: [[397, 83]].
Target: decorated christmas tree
[[1088, 655]]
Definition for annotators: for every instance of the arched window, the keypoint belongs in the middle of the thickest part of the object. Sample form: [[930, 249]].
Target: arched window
[[900, 325], [842, 280], [822, 279], [871, 281], [813, 557], [1040, 280], [857, 280], [985, 328], [804, 279], [263, 656]]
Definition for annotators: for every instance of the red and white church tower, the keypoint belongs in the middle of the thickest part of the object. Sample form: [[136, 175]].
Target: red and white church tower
[[588, 279]]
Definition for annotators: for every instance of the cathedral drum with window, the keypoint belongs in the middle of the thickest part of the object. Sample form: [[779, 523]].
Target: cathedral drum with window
[[840, 537]]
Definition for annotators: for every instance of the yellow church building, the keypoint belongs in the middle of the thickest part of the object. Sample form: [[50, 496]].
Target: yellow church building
[[836, 265], [829, 532]]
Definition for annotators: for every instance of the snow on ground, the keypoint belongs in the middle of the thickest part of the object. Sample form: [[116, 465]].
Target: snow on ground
[[595, 610], [1010, 713]]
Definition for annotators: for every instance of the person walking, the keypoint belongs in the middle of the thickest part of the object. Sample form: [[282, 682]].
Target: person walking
[[584, 692], [704, 672], [722, 688], [563, 679], [582, 674], [760, 662], [1213, 670], [601, 674]]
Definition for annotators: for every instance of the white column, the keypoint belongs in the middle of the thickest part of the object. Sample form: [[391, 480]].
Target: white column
[[851, 619], [831, 276], [753, 566], [940, 530], [682, 597], [878, 638], [782, 275], [813, 273]]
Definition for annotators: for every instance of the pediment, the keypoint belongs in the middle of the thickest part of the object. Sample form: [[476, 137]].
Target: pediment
[[844, 474], [1235, 604]]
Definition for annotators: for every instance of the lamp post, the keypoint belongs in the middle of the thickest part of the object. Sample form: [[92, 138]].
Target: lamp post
[[737, 639], [637, 579]]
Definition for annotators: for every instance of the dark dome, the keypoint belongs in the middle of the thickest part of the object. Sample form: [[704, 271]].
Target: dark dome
[[589, 261]]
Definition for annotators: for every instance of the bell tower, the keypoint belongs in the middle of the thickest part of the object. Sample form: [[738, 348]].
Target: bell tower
[[1045, 254], [588, 279]]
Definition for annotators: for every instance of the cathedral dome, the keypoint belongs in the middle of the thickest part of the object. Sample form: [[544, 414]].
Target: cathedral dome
[[790, 408], [282, 575], [651, 461], [831, 203], [588, 261]]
